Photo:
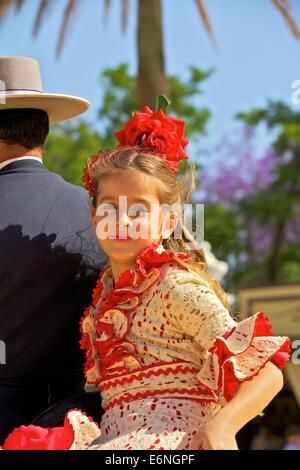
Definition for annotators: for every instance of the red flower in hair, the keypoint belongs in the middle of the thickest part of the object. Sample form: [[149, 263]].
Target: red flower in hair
[[162, 134], [87, 175]]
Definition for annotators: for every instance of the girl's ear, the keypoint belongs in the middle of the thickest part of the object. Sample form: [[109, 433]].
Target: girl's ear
[[94, 217], [169, 224]]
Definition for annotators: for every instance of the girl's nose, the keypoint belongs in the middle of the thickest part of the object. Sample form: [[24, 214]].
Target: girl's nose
[[124, 220]]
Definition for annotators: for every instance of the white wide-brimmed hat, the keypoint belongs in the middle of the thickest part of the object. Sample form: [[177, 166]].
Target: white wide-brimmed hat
[[21, 87]]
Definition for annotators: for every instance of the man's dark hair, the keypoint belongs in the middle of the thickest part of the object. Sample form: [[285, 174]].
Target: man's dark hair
[[26, 127]]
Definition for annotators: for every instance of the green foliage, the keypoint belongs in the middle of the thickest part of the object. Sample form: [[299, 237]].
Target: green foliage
[[119, 101], [286, 189], [224, 230], [278, 206], [68, 148], [222, 226], [276, 113], [289, 269], [183, 94]]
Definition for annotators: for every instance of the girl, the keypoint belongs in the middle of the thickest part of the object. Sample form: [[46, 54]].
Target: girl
[[174, 369]]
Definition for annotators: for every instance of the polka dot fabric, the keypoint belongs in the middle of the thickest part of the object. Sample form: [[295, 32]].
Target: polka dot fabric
[[152, 424]]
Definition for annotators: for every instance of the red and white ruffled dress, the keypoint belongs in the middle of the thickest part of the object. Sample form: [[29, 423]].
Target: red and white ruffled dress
[[166, 354]]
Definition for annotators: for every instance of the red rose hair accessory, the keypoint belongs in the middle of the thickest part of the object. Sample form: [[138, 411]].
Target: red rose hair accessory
[[154, 131], [87, 174], [161, 134]]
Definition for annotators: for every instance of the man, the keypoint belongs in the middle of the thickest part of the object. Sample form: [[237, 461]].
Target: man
[[49, 256]]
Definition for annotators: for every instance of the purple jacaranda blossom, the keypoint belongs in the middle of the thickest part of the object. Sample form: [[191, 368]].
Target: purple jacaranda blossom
[[292, 231], [237, 171], [241, 178], [257, 237], [261, 237]]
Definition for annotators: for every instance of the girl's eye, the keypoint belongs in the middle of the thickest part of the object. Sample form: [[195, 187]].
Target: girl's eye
[[139, 210], [106, 209]]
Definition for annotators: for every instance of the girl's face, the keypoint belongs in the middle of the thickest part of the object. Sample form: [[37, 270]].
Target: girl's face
[[127, 207]]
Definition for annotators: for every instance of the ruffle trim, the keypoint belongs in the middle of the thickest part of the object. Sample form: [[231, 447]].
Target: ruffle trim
[[105, 325], [240, 354], [191, 393], [147, 373], [78, 432]]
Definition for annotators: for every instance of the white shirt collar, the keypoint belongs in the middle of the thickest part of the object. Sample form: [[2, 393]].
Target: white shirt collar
[[28, 157]]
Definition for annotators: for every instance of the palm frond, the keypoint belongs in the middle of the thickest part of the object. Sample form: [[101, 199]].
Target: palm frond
[[19, 4], [4, 8], [284, 7], [107, 7], [206, 21], [125, 15], [43, 7], [67, 16]]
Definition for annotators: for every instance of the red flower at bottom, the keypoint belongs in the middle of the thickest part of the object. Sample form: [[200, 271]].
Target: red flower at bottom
[[77, 433], [36, 438]]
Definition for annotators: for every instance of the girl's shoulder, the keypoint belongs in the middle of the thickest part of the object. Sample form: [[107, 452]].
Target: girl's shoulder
[[175, 276]]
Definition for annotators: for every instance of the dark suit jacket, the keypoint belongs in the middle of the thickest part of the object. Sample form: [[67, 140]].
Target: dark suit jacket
[[49, 263]]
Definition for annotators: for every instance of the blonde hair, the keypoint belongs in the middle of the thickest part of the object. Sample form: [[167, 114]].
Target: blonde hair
[[171, 191]]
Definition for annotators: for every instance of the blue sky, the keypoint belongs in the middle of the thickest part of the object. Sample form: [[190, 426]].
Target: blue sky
[[257, 56]]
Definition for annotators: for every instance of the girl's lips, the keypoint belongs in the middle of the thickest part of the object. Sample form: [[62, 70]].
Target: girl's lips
[[121, 239]]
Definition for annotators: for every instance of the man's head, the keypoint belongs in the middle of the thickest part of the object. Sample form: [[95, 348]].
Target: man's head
[[26, 127], [22, 130]]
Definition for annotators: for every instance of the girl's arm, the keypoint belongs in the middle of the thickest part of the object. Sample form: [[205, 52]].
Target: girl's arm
[[251, 398], [242, 359]]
